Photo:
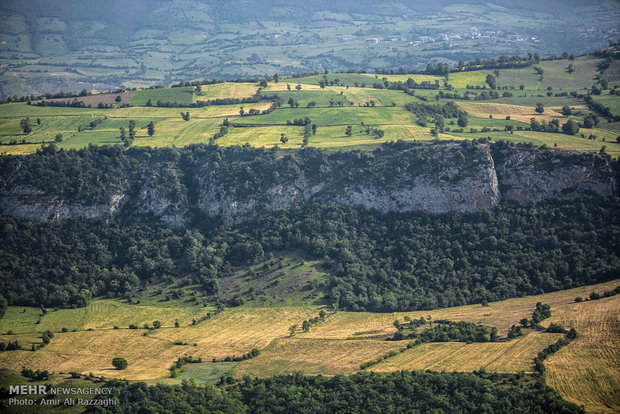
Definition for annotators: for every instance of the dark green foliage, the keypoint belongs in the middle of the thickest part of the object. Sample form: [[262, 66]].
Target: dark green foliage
[[25, 124], [140, 398], [447, 331], [448, 110], [3, 306], [539, 108], [462, 121], [514, 332], [182, 361], [552, 349], [443, 331], [542, 311], [47, 337], [398, 392], [491, 81], [10, 346], [379, 262], [119, 363], [249, 355], [570, 127], [556, 328], [386, 356], [566, 110], [596, 296], [37, 375]]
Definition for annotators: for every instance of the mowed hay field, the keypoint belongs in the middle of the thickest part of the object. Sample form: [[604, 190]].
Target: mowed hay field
[[502, 314], [501, 111], [338, 345], [588, 370], [226, 90], [511, 356], [315, 356], [231, 333]]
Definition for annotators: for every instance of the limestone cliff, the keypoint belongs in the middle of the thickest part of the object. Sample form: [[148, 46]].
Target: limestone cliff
[[528, 176], [240, 183]]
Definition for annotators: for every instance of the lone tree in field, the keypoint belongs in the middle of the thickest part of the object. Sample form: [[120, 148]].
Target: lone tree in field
[[539, 108], [151, 129], [118, 98], [566, 111], [185, 116], [570, 128], [349, 131], [462, 120], [58, 138], [440, 123], [25, 124], [119, 363], [292, 329], [283, 139], [491, 81]]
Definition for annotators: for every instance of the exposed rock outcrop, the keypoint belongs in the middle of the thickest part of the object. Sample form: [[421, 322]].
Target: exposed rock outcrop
[[528, 176], [33, 204], [436, 179]]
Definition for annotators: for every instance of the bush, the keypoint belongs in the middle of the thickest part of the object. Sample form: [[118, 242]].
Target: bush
[[119, 363]]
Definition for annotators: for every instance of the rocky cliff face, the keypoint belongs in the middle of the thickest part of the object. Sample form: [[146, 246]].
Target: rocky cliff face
[[528, 176], [436, 179], [459, 187], [33, 204]]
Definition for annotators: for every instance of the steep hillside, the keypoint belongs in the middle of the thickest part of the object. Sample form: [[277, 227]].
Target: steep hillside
[[234, 184], [404, 227]]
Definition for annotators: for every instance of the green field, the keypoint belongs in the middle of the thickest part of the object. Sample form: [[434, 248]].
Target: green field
[[333, 109], [182, 95]]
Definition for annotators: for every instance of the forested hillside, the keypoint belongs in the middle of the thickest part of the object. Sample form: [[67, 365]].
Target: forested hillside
[[375, 260]]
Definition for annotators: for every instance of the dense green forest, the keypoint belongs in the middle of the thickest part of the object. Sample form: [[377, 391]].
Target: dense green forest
[[378, 262], [399, 392]]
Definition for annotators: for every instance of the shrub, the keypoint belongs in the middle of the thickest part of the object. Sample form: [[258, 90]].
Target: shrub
[[119, 363]]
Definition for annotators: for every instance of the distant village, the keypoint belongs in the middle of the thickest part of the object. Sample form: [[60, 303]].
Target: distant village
[[473, 33]]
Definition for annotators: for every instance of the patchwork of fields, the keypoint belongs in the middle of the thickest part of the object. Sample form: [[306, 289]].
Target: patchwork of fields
[[338, 345], [332, 102]]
